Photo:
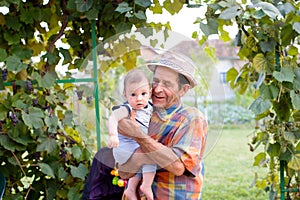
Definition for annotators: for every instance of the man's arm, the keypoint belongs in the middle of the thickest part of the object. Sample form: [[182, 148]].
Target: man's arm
[[151, 151]]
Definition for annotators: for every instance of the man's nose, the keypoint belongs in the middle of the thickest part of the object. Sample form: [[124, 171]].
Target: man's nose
[[158, 87]]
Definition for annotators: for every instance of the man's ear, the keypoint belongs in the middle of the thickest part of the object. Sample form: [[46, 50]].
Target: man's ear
[[184, 89]]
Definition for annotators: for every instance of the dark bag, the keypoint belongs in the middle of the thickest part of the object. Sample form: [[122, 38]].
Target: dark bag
[[98, 185]]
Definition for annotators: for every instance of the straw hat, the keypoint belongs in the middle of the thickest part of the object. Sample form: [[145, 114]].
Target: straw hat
[[178, 62]]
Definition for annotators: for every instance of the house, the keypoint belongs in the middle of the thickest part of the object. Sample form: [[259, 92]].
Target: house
[[213, 70]]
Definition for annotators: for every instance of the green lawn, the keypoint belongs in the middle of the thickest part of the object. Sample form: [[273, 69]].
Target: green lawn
[[229, 172]]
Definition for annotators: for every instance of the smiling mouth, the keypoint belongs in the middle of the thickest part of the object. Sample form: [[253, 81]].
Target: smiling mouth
[[158, 97]]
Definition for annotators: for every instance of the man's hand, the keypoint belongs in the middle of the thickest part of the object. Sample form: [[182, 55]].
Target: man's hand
[[131, 128], [131, 167], [151, 150]]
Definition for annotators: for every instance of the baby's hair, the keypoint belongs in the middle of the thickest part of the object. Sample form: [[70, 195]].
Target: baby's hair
[[135, 76]]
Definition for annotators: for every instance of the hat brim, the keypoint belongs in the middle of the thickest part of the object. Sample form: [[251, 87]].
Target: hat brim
[[153, 65]]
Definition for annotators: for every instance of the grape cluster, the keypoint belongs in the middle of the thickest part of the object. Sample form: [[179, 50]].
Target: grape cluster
[[46, 108], [1, 128], [89, 99], [13, 118], [63, 152], [37, 155], [4, 74], [52, 135], [29, 86], [35, 102], [79, 94]]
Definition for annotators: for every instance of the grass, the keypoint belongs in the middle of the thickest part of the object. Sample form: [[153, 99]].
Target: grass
[[229, 170]]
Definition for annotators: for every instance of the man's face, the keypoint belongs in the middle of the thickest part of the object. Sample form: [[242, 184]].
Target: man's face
[[165, 88]]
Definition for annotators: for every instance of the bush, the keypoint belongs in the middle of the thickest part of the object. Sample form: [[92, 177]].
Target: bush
[[226, 113]]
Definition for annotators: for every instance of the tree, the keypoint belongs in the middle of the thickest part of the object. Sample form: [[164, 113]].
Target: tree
[[44, 152], [268, 36]]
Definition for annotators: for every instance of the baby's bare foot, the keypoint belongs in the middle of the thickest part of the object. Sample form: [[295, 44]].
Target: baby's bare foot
[[147, 191], [130, 194]]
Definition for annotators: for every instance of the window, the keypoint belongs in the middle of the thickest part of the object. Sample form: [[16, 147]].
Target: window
[[223, 77]]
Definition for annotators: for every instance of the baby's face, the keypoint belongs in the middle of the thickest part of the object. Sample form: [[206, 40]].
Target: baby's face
[[138, 94]]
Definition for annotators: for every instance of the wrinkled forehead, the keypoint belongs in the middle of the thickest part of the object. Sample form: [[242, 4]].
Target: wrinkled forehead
[[165, 73]]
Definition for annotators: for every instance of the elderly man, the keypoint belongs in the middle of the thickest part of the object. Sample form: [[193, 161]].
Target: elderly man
[[176, 134]]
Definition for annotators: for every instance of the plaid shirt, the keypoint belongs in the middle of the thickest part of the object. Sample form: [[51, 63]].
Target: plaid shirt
[[184, 129]]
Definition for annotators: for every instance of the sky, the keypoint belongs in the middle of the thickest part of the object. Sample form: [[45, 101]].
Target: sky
[[182, 22]]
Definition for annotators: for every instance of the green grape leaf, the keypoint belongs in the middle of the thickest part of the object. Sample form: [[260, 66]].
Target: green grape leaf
[[27, 16], [231, 75], [12, 38], [295, 96], [123, 7], [83, 5], [73, 193], [258, 14], [13, 23], [259, 159], [46, 169], [34, 117], [3, 111], [210, 28], [293, 50], [143, 3], [296, 83], [21, 52], [3, 55], [7, 143], [47, 81], [51, 123], [47, 144], [269, 91], [173, 6], [71, 5], [298, 147], [288, 35], [296, 27], [273, 149], [294, 163], [156, 8], [79, 172], [14, 64], [66, 54], [51, 57], [140, 15], [62, 174], [76, 152], [268, 46], [229, 13], [260, 62], [19, 104], [286, 8], [269, 9], [260, 105], [289, 136], [68, 118], [92, 14], [285, 74]]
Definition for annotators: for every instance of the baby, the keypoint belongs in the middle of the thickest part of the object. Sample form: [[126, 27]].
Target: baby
[[137, 91]]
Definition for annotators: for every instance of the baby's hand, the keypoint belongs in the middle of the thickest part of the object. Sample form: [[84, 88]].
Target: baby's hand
[[113, 141]]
